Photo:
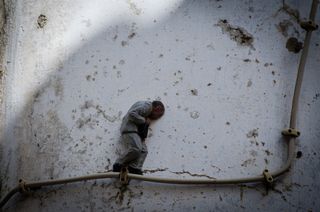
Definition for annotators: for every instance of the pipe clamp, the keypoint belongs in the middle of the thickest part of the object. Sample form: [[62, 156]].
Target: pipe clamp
[[292, 132], [308, 25]]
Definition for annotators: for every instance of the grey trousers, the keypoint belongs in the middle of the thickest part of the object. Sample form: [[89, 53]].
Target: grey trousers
[[136, 151]]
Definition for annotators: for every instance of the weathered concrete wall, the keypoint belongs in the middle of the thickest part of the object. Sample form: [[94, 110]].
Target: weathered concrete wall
[[3, 41], [223, 69]]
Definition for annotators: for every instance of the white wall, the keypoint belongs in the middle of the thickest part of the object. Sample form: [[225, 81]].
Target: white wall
[[69, 83]]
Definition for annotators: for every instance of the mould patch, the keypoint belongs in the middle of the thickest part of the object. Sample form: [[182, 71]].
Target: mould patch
[[287, 28], [194, 114], [42, 21], [238, 34], [133, 7], [293, 45], [3, 20], [290, 11], [253, 133], [283, 27]]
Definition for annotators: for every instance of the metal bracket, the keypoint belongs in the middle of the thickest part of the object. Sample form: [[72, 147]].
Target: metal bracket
[[308, 25], [268, 179], [124, 176], [292, 132]]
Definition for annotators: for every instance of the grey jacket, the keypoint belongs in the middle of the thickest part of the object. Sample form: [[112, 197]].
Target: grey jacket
[[136, 115]]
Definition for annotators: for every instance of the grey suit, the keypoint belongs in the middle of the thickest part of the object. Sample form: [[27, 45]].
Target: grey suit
[[136, 149]]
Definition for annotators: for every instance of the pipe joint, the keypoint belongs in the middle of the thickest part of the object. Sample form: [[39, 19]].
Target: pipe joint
[[291, 132], [22, 186], [309, 25], [268, 177], [124, 179]]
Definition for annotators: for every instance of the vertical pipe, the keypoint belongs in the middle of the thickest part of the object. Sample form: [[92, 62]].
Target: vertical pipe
[[303, 59], [296, 94]]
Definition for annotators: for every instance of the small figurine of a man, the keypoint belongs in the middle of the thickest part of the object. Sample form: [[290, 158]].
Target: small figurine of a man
[[134, 130]]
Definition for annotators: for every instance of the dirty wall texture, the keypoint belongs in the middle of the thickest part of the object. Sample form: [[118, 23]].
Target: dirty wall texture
[[3, 40], [224, 69]]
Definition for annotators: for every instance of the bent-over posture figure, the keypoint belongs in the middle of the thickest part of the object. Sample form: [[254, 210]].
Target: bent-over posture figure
[[134, 130]]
